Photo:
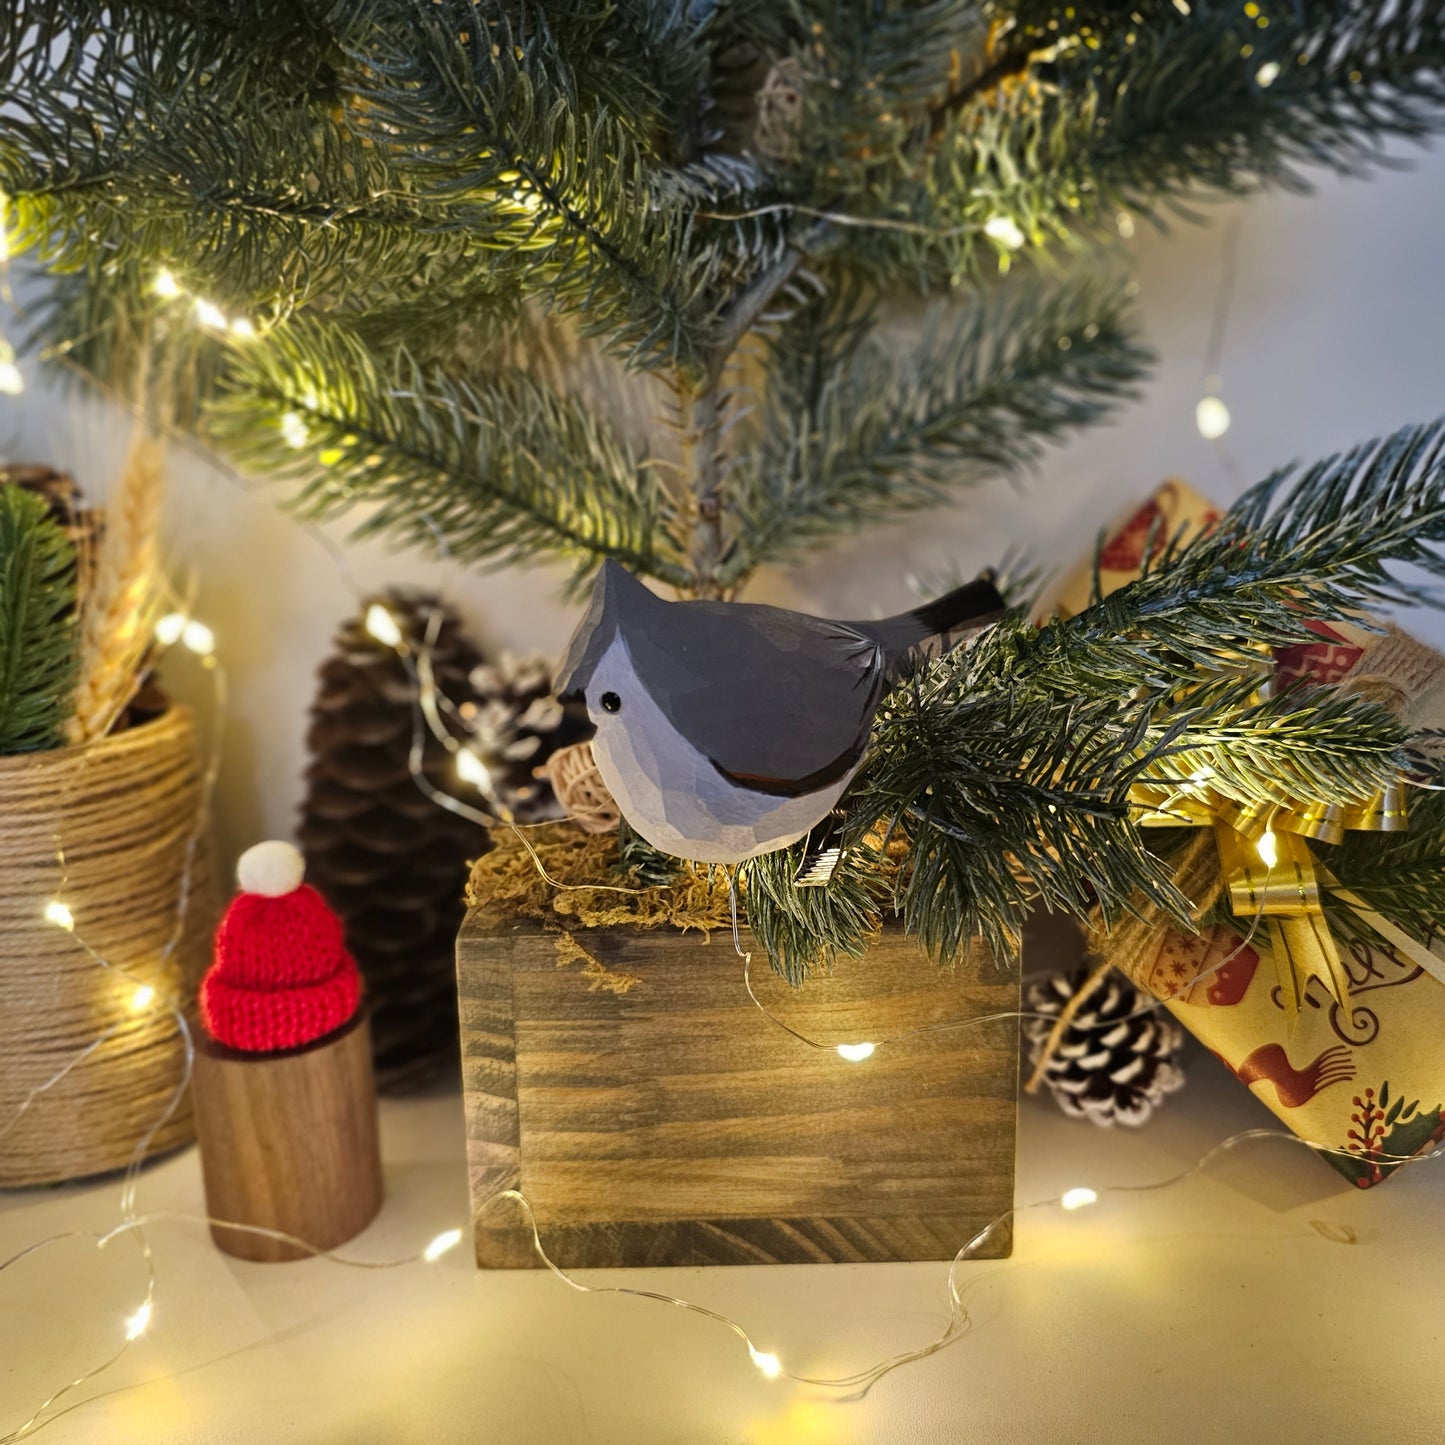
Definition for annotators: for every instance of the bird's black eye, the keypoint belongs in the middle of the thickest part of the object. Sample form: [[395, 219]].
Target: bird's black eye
[[611, 702]]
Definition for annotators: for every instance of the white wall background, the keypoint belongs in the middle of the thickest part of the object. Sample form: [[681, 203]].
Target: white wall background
[[1335, 335]]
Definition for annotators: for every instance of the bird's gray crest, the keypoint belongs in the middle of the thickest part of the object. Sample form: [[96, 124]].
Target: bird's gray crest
[[617, 597]]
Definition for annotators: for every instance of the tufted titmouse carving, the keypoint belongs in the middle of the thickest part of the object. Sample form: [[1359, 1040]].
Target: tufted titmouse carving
[[728, 729]]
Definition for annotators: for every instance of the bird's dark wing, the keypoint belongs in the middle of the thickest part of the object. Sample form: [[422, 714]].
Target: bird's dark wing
[[777, 701]]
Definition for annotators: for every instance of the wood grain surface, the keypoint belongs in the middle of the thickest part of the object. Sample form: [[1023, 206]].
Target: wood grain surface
[[675, 1124], [289, 1142]]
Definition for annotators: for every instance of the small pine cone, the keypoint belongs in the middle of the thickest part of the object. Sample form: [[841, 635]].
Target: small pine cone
[[516, 725], [390, 861], [1115, 1061], [61, 494]]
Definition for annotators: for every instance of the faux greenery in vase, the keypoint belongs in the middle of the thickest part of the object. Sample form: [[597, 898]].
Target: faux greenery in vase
[[106, 892]]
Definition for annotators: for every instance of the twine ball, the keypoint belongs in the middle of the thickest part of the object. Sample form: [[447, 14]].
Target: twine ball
[[271, 869], [580, 790]]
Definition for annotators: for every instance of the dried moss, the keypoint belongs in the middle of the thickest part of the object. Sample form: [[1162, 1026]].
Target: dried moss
[[576, 881]]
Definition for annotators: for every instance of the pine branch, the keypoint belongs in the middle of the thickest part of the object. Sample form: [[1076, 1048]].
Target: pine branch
[[1399, 875], [1137, 107], [37, 624], [501, 467], [1310, 745], [483, 113], [1007, 767], [875, 436], [1312, 544], [226, 204], [284, 45], [807, 930]]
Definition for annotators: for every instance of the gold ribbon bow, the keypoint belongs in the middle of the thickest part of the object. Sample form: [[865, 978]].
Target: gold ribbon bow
[[1272, 877]]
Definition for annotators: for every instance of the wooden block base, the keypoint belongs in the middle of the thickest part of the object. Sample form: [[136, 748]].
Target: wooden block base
[[675, 1124], [289, 1142]]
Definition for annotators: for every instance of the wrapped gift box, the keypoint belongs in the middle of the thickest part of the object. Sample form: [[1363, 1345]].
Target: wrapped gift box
[[1363, 1077]]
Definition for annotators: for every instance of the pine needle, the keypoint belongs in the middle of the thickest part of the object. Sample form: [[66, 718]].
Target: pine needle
[[125, 598], [37, 623]]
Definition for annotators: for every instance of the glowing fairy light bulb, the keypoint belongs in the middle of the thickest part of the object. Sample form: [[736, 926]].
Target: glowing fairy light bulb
[[769, 1364], [1211, 416], [12, 382], [142, 998], [856, 1053], [165, 285], [170, 628], [1004, 230], [1079, 1198], [241, 327], [1268, 848], [446, 1241], [1267, 74], [381, 625], [57, 913], [294, 431], [471, 769], [137, 1323], [198, 638], [210, 315]]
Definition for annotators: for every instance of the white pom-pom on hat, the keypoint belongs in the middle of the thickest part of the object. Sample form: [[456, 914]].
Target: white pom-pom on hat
[[273, 868]]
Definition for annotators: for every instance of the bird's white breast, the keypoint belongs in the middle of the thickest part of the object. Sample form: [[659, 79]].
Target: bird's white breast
[[669, 791]]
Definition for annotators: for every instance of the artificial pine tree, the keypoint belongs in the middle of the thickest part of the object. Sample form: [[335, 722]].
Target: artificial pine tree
[[378, 229]]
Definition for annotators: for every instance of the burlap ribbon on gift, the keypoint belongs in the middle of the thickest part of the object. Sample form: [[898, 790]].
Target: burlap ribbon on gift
[[1258, 854]]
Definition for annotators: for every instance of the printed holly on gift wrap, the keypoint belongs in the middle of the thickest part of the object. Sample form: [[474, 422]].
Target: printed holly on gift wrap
[[1386, 1134]]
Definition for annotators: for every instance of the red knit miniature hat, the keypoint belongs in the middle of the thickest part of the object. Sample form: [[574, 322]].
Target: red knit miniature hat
[[282, 976]]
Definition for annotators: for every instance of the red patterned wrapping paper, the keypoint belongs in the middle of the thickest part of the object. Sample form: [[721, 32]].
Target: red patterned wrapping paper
[[1365, 1077]]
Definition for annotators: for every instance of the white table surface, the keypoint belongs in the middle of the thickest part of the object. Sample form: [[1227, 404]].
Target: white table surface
[[1213, 1311]]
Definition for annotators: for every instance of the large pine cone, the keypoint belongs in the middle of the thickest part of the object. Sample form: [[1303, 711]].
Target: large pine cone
[[389, 860], [1118, 1057]]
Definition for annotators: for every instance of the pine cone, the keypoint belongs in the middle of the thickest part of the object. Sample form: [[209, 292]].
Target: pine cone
[[1114, 1062], [516, 726], [61, 494], [389, 860]]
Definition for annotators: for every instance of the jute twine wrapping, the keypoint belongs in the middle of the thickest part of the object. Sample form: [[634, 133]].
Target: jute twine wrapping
[[577, 783], [125, 811]]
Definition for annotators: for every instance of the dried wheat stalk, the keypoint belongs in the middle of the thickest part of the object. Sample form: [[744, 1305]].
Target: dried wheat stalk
[[127, 594]]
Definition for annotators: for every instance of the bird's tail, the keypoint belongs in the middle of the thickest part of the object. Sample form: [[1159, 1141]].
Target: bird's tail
[[975, 604], [965, 609]]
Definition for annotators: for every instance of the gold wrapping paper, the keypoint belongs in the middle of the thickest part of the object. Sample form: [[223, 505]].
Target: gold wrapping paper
[[1355, 1059]]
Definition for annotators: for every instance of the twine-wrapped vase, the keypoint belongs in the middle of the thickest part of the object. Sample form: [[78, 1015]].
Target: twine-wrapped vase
[[90, 1051]]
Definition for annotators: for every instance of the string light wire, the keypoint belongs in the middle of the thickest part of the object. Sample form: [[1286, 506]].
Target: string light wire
[[201, 644], [430, 703]]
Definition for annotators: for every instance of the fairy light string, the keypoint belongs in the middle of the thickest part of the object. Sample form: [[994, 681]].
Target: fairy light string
[[430, 706], [199, 640], [133, 1225]]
